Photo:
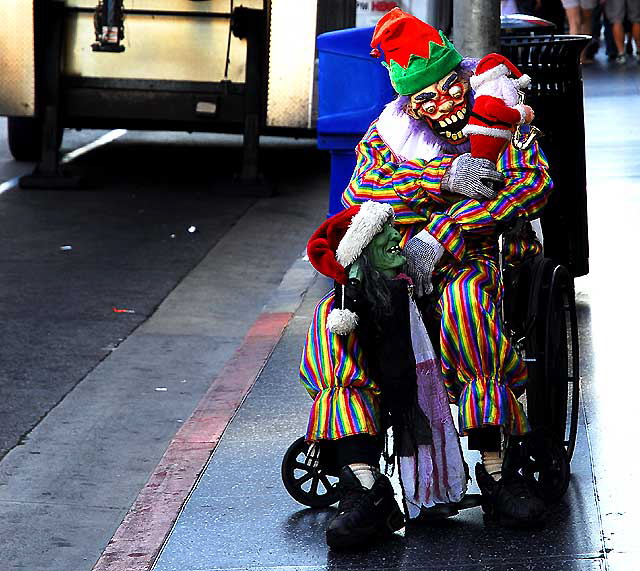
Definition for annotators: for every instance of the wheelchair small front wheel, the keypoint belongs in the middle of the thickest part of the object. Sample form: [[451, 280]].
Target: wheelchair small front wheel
[[304, 477]]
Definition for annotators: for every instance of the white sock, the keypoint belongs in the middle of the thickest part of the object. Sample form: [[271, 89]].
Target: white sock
[[492, 462], [364, 473]]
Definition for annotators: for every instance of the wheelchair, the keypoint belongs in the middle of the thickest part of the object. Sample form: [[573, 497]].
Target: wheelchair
[[539, 314]]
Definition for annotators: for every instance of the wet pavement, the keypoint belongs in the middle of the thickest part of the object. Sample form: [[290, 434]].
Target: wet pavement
[[240, 517]]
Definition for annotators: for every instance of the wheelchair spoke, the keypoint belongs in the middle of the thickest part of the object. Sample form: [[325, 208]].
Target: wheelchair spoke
[[303, 479], [314, 485], [302, 466], [326, 483]]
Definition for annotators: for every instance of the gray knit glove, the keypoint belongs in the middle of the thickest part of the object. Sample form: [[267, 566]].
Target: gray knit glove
[[472, 177], [422, 252]]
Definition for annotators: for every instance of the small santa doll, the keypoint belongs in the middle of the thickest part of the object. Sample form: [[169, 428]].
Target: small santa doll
[[497, 109]]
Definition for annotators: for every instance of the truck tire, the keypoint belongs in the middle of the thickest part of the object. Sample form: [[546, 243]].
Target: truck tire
[[25, 138]]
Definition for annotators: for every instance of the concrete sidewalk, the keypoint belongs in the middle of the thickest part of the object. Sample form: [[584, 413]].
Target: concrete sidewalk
[[239, 516]]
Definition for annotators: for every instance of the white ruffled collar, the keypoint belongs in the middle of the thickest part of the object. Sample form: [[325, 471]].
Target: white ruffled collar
[[406, 142]]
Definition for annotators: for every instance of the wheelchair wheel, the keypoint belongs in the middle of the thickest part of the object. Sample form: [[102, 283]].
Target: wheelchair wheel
[[553, 390], [305, 479]]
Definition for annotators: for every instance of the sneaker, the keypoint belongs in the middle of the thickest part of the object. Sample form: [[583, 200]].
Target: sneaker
[[363, 514], [510, 501], [621, 59]]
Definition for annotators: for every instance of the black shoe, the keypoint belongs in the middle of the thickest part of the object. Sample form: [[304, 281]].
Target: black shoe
[[511, 501], [363, 514]]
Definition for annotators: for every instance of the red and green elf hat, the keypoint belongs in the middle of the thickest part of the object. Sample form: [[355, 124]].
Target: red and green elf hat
[[416, 54]]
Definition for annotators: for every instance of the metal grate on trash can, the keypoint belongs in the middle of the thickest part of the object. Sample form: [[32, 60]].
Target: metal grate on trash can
[[556, 95]]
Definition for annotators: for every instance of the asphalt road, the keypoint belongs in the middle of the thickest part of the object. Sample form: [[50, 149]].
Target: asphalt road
[[152, 206]]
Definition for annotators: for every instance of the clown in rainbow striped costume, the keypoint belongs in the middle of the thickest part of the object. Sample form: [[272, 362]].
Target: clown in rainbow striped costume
[[449, 209]]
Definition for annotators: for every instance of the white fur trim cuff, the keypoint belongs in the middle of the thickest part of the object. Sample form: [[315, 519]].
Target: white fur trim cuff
[[369, 220], [489, 131], [523, 81], [492, 73], [341, 321], [520, 109]]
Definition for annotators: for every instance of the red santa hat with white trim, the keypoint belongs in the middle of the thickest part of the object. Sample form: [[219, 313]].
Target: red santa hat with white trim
[[337, 243], [493, 66]]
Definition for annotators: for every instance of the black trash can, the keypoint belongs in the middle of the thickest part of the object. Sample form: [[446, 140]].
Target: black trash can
[[556, 95]]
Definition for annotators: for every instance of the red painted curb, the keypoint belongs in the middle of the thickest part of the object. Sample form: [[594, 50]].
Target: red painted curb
[[137, 542]]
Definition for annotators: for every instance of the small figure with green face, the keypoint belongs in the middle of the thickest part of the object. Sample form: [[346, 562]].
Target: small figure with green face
[[369, 365], [384, 251]]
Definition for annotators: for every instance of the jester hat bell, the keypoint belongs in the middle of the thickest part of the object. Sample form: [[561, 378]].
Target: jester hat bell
[[416, 54]]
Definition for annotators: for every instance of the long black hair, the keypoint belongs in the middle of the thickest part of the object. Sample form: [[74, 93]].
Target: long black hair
[[375, 286]]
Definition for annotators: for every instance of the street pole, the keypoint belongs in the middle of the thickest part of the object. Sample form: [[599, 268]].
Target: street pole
[[476, 27]]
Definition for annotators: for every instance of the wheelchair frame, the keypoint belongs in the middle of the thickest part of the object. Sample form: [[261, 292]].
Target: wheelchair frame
[[539, 312]]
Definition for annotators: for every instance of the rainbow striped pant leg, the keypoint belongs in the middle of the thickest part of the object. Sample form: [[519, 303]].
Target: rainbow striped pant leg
[[483, 372], [346, 401]]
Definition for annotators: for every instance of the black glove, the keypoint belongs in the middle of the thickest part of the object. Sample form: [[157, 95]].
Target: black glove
[[472, 177]]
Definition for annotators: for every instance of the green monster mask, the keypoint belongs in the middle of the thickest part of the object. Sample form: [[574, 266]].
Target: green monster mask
[[384, 253]]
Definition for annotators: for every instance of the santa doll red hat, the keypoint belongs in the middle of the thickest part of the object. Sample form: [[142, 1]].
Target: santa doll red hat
[[338, 243], [497, 109], [493, 66]]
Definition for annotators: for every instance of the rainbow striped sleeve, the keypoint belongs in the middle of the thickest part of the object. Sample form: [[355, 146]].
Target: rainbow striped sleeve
[[411, 187], [527, 185], [525, 193], [346, 401]]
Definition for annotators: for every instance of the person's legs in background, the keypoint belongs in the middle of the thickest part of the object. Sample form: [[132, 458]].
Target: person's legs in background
[[572, 10], [633, 15], [615, 11], [609, 43], [586, 27], [113, 8], [597, 23], [108, 26]]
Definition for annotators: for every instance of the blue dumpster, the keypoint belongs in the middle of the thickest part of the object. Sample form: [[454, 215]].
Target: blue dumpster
[[353, 88]]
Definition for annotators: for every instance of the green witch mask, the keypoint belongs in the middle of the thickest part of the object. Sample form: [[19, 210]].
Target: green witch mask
[[384, 252]]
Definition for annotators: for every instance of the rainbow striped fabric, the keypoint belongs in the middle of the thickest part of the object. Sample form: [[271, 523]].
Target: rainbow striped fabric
[[346, 401], [526, 191], [377, 176], [482, 371], [412, 187]]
